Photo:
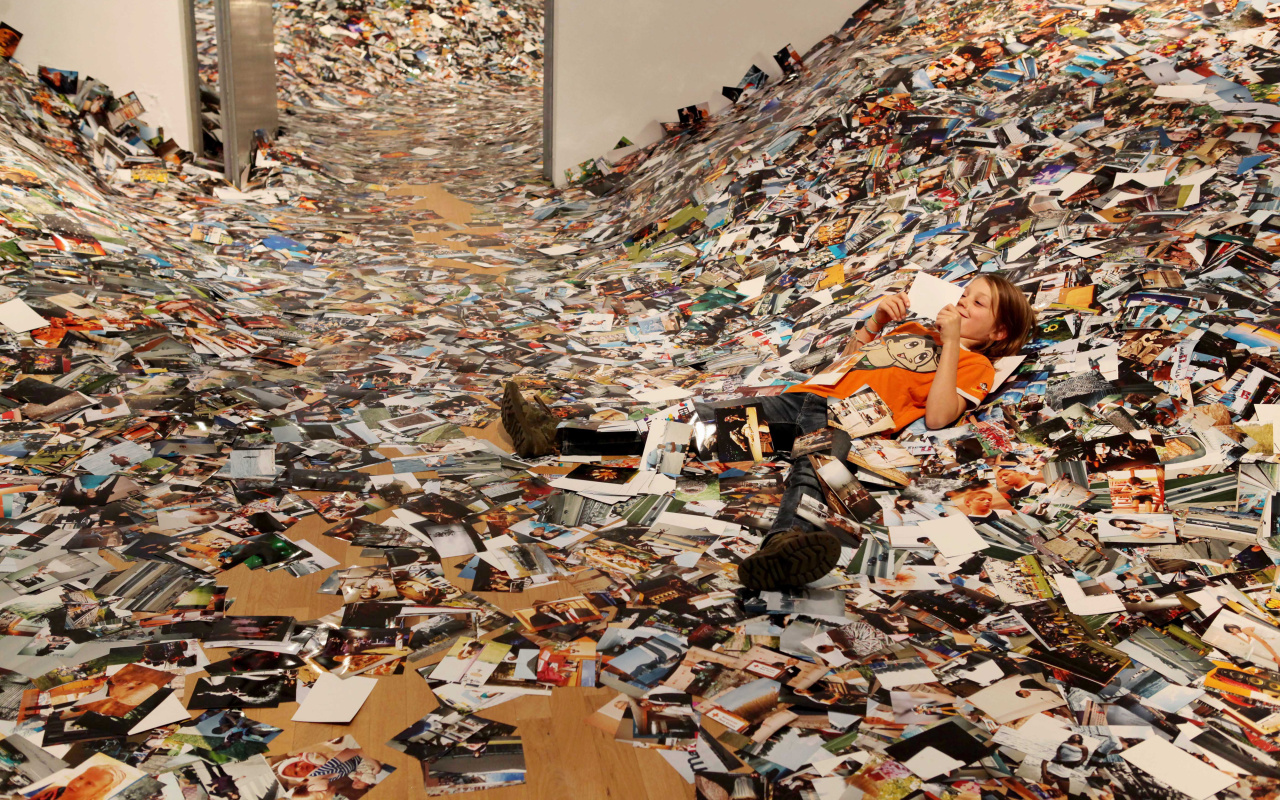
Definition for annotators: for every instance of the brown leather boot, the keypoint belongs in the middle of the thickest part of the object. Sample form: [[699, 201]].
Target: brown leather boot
[[532, 428], [790, 560]]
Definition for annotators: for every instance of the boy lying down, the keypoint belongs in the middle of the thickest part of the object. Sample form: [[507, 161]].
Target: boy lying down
[[935, 373]]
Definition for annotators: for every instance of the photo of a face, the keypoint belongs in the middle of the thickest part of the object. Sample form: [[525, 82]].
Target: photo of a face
[[980, 502], [127, 689], [98, 778], [553, 613], [1018, 483]]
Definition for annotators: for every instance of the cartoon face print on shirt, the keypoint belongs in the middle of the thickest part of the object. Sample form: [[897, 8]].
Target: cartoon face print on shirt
[[916, 352]]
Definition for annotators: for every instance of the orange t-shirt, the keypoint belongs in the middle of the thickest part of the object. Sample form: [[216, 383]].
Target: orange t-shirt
[[899, 367]]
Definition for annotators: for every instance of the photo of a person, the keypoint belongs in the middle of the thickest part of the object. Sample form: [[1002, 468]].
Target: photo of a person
[[1244, 638], [1070, 756], [1013, 483], [900, 513], [127, 689], [1136, 490], [234, 691], [1139, 529], [418, 589], [88, 491], [376, 588], [1249, 635], [546, 615], [552, 613], [736, 443], [338, 769], [98, 782], [654, 459], [980, 502], [210, 544], [202, 516]]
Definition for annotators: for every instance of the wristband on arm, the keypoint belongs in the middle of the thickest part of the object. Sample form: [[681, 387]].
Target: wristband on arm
[[857, 336]]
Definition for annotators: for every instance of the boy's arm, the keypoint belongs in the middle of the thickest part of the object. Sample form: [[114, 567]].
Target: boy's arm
[[856, 341], [891, 308], [945, 405]]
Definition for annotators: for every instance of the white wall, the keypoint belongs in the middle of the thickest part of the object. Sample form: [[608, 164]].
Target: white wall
[[619, 67], [136, 46]]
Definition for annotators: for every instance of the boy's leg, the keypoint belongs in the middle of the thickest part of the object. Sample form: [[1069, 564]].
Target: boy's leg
[[788, 412], [805, 413], [791, 415], [806, 410], [802, 481], [794, 552]]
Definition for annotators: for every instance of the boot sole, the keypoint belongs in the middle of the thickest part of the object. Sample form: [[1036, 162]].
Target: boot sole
[[511, 417], [799, 561], [530, 438], [507, 406]]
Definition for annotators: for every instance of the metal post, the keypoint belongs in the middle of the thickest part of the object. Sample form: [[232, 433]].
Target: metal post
[[548, 86], [246, 79], [193, 66]]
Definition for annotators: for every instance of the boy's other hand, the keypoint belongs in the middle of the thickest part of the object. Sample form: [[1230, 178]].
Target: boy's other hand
[[949, 324], [892, 308]]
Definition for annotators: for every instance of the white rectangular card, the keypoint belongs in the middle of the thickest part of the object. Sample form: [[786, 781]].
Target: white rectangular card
[[1175, 767], [334, 700], [929, 295], [19, 317]]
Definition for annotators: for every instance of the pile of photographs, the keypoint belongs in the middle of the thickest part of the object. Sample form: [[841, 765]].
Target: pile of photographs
[[463, 753], [1072, 591]]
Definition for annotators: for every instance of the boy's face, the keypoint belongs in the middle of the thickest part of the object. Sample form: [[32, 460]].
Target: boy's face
[[977, 309]]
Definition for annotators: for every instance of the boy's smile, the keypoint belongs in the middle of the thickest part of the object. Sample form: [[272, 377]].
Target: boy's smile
[[977, 315]]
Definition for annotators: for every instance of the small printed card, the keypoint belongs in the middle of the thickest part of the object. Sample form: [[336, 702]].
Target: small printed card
[[860, 414]]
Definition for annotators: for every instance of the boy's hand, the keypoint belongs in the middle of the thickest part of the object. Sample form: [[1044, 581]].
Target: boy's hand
[[891, 308], [949, 324]]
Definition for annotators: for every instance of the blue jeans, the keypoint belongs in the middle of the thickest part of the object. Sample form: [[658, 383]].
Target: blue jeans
[[789, 416]]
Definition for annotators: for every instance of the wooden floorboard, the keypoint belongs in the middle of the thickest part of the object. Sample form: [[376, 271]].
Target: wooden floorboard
[[566, 758]]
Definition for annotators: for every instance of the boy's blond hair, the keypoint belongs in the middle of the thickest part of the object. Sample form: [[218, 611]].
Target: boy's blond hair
[[1013, 314]]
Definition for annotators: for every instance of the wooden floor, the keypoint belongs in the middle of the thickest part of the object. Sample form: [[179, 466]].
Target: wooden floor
[[565, 757]]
